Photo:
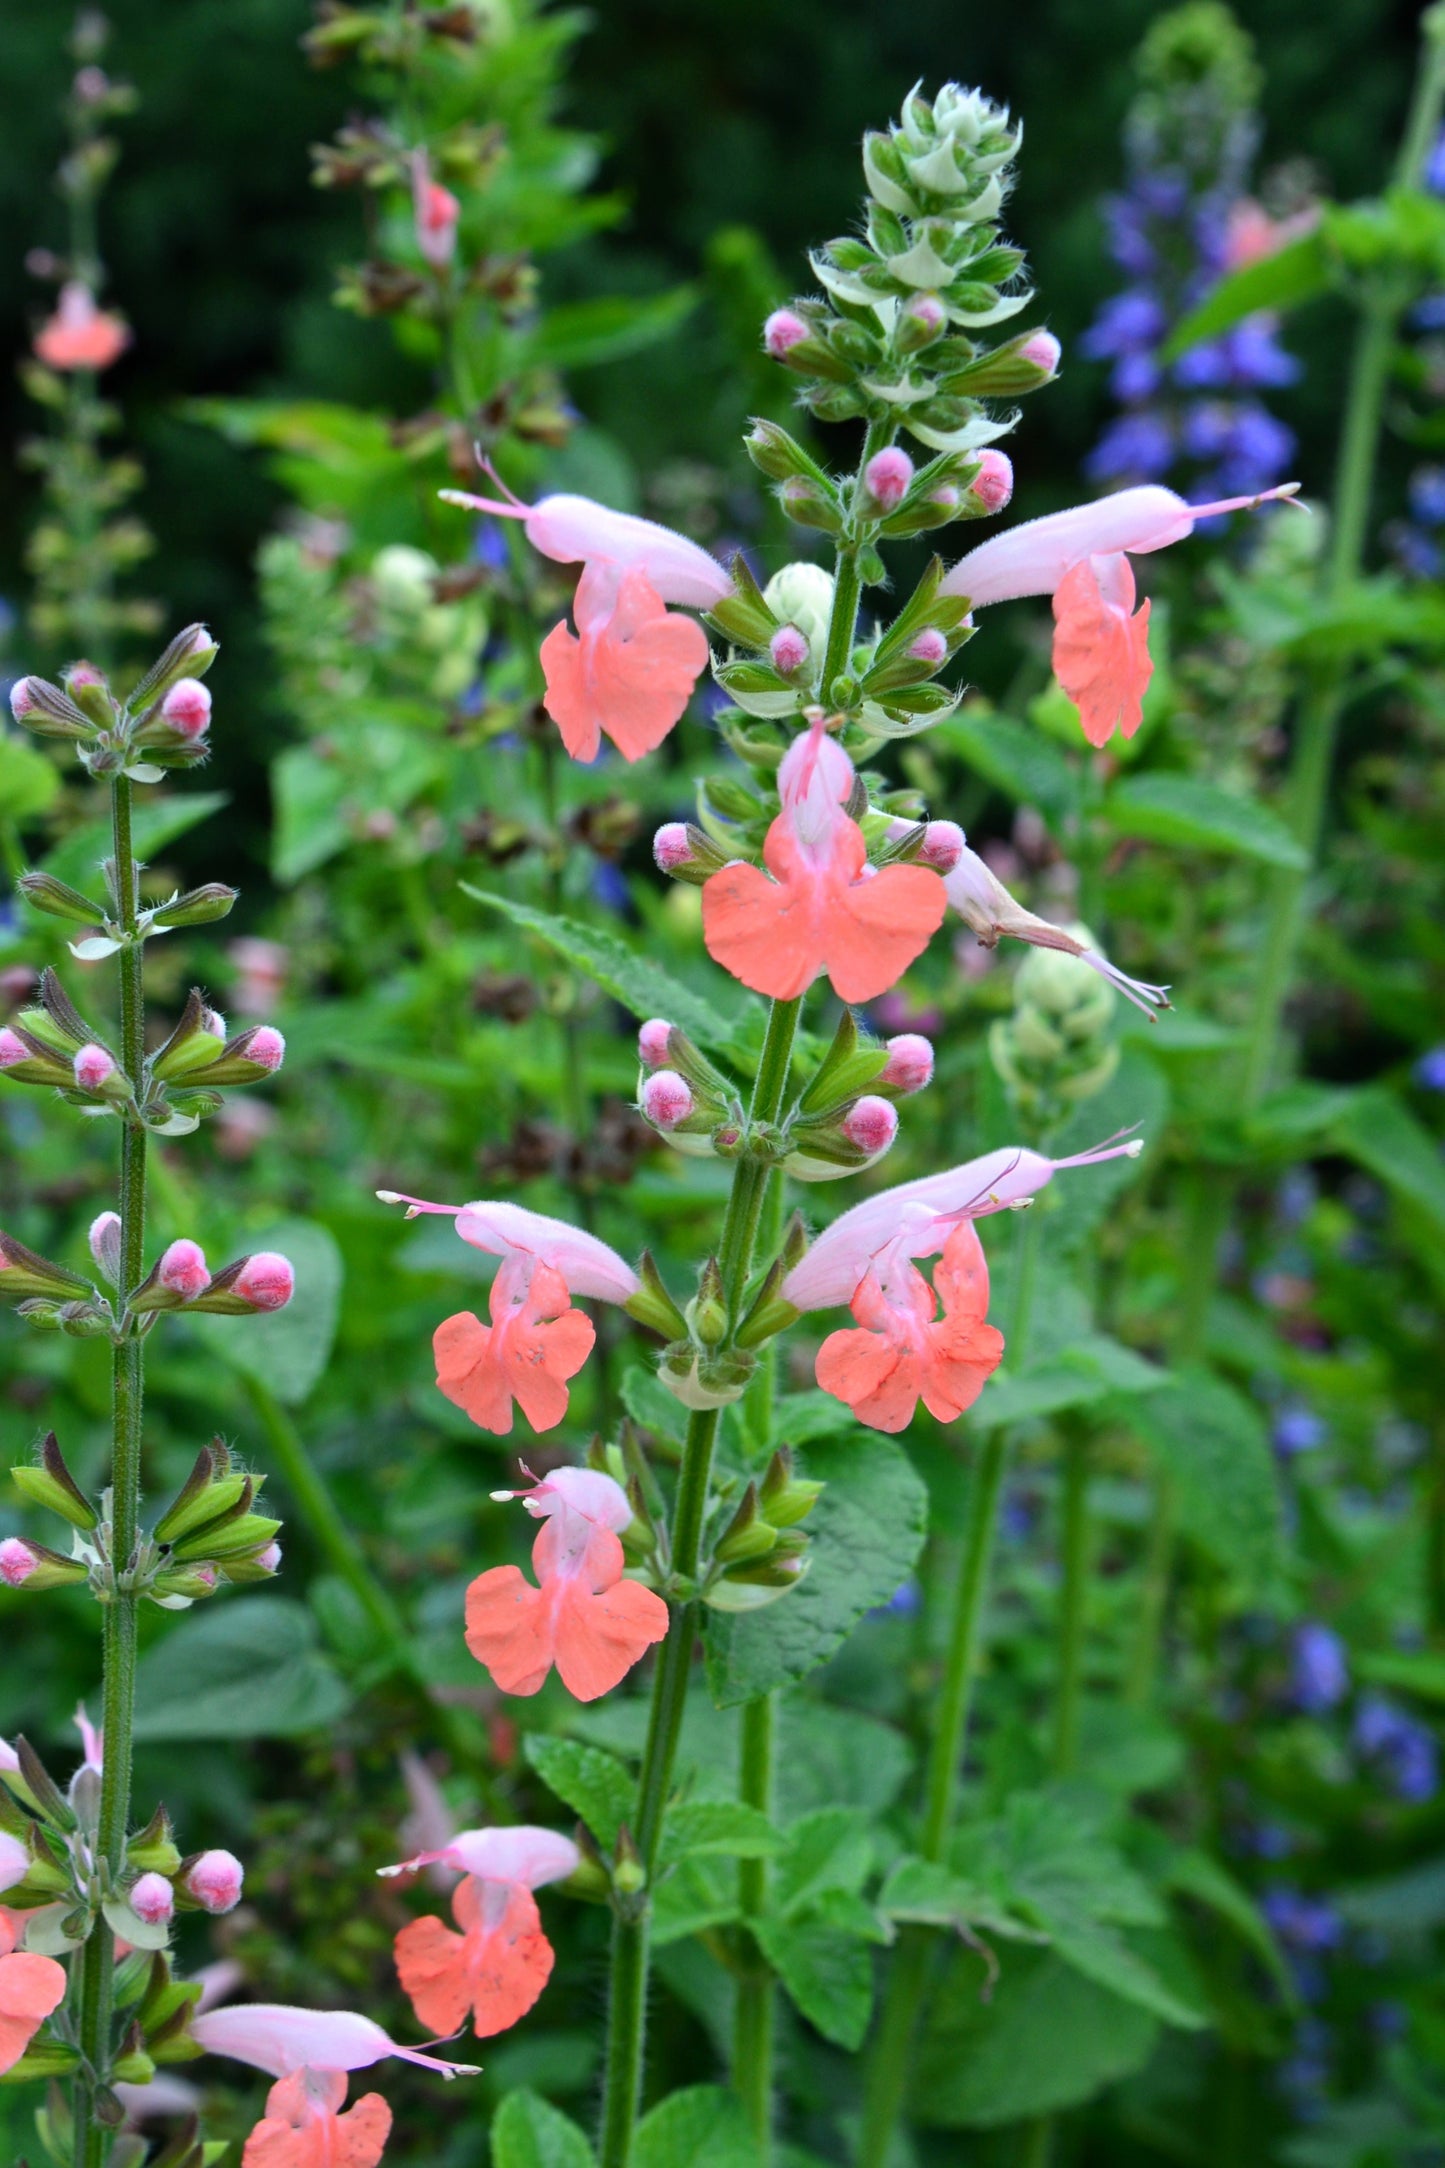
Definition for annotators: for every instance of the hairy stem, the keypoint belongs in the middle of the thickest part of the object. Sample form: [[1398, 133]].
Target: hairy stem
[[753, 2021]]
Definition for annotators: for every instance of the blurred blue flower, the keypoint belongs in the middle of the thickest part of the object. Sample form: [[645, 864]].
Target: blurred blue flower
[[1320, 1676], [1297, 1430], [1430, 1070], [1400, 1747]]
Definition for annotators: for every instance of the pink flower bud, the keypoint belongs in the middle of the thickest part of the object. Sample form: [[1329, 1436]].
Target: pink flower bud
[[93, 1068], [104, 1239], [929, 646], [215, 1881], [872, 1125], [184, 1270], [666, 1099], [993, 484], [267, 1280], [22, 699], [213, 1022], [652, 1042], [17, 1562], [266, 1047], [12, 1050], [1043, 350], [910, 1063], [789, 649], [270, 1558], [946, 497], [187, 708], [9, 1759], [783, 330], [925, 315], [670, 846], [887, 477], [944, 843], [152, 1899], [82, 675]]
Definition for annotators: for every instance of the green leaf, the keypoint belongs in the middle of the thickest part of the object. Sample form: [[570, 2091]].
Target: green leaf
[[825, 1961], [867, 1529], [1293, 274], [826, 1754], [1214, 1445], [1085, 1372], [634, 980], [155, 822], [577, 334], [1378, 1131], [595, 1785], [317, 800], [1045, 2039], [700, 1894], [29, 782], [831, 1849], [528, 2132], [242, 1668], [1102, 1955], [718, 1826], [287, 1350], [650, 1404], [1410, 1903], [922, 1892], [1409, 1671], [1194, 1874], [1183, 809], [1016, 760], [700, 2127]]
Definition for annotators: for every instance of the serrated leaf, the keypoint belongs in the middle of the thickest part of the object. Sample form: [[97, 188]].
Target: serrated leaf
[[634, 980], [867, 1530], [700, 2127], [926, 1894], [1087, 1371], [826, 1965], [831, 1849], [594, 1785], [1098, 1951], [699, 1894], [724, 1827], [245, 1669], [1187, 811], [528, 2132], [650, 1404]]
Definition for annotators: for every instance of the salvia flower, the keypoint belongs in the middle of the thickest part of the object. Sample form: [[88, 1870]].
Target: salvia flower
[[536, 1340], [31, 1987], [435, 212], [79, 335], [306, 2125], [282, 2040], [582, 1616], [819, 907], [981, 899], [914, 1342], [497, 1967], [1081, 558], [629, 669]]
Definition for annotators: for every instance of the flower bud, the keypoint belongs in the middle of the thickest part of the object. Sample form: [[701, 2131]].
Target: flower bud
[[652, 1042], [1044, 351], [22, 699], [910, 1063], [50, 1484], [13, 1051], [788, 649], [17, 1562], [811, 504], [152, 1899], [871, 1124], [887, 477], [266, 1048], [198, 907], [44, 893], [437, 215], [43, 708], [93, 1067], [266, 1281], [270, 1559], [942, 847], [920, 321], [214, 1881], [993, 484], [783, 330], [666, 1099], [183, 1269], [214, 1025], [187, 708], [929, 647], [104, 1239], [89, 690], [686, 852]]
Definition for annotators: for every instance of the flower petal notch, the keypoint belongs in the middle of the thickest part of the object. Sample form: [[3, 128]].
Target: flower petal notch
[[629, 669], [902, 1351], [307, 2126], [1080, 557], [582, 1616], [536, 1341], [819, 907], [495, 1969]]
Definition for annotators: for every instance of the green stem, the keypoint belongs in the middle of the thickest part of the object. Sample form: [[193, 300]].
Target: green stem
[[1037, 2148], [627, 1994], [1073, 1601], [118, 1623], [753, 2023], [886, 2078]]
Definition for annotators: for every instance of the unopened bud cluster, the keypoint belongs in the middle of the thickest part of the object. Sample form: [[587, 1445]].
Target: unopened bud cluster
[[762, 1550], [1056, 1049], [162, 724]]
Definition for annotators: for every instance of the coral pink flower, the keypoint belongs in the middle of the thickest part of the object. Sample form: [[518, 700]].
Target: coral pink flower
[[282, 2039], [435, 212], [30, 1988], [583, 1616], [305, 2125], [820, 906], [915, 1219], [496, 1968], [1101, 645], [981, 899], [79, 335], [630, 668], [536, 1340], [902, 1351]]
